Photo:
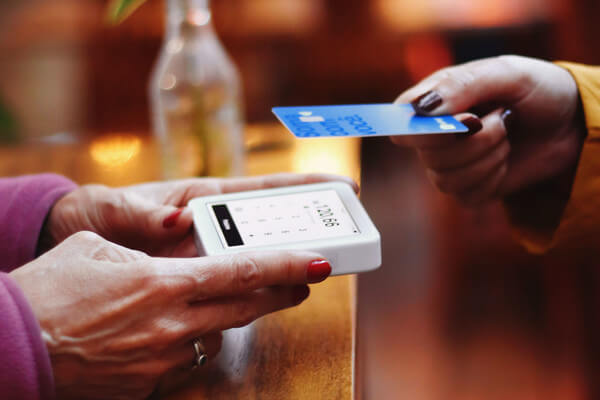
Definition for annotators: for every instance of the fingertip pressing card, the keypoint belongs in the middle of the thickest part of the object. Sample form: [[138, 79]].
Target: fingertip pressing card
[[363, 120]]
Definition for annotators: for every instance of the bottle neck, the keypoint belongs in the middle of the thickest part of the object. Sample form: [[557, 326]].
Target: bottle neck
[[188, 15]]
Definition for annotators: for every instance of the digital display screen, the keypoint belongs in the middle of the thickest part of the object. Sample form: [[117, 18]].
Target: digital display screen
[[282, 219]]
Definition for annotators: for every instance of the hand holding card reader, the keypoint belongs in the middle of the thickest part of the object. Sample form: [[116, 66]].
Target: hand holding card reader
[[326, 218]]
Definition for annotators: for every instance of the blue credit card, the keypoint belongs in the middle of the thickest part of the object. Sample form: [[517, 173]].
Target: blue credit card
[[362, 120]]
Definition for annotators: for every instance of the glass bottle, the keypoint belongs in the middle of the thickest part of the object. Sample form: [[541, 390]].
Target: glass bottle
[[196, 97]]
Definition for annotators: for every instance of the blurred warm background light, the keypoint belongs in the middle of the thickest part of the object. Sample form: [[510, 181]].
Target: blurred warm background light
[[407, 15], [115, 150], [331, 155], [277, 16]]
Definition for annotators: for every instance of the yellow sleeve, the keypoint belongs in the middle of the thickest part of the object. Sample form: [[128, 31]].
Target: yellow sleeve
[[568, 218]]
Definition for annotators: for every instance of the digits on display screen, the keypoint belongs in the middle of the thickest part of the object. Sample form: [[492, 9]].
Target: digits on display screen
[[325, 214]]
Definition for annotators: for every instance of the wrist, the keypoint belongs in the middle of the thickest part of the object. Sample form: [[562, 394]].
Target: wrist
[[578, 124], [563, 181], [537, 209], [53, 230]]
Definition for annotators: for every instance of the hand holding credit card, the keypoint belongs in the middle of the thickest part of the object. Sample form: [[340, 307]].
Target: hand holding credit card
[[363, 120]]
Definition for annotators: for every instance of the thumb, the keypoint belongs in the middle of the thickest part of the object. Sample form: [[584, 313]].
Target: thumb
[[230, 275], [172, 220], [163, 221], [458, 89]]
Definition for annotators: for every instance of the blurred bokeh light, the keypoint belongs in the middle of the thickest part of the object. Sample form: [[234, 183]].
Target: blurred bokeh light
[[115, 150]]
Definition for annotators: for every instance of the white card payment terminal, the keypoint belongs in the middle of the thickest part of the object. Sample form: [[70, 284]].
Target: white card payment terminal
[[326, 218]]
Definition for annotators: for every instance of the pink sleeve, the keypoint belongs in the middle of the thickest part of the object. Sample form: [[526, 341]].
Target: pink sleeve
[[24, 204], [25, 369]]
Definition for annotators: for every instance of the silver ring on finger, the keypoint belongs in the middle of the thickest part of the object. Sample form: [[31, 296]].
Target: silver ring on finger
[[200, 353]]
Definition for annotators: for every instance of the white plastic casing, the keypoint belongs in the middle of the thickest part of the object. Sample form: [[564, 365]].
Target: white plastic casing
[[348, 254]]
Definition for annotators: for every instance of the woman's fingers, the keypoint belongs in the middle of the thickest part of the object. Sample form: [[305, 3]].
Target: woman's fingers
[[132, 219], [203, 187], [469, 166], [148, 307], [172, 222], [487, 189], [162, 221], [184, 355], [218, 276], [467, 149], [232, 312], [212, 344], [461, 179], [207, 319], [459, 88], [134, 210], [441, 141], [424, 86], [182, 361], [278, 180], [185, 249]]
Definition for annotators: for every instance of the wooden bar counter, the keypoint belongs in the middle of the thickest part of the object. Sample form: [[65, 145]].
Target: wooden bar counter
[[303, 353]]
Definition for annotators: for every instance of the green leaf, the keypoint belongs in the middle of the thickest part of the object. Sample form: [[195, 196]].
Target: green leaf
[[119, 10]]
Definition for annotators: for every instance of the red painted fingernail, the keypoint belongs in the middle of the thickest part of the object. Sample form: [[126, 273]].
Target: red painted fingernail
[[300, 293], [318, 271], [427, 102], [473, 123], [171, 220]]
